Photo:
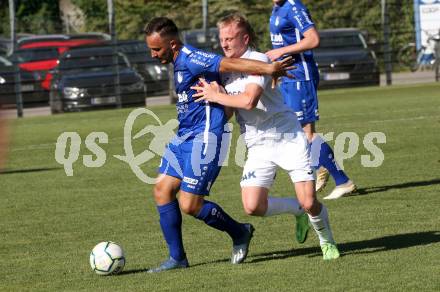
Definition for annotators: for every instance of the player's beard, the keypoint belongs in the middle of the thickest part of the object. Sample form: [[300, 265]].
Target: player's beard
[[167, 57]]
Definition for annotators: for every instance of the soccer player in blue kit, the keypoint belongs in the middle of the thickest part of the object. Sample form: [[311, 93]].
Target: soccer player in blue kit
[[293, 33], [191, 161]]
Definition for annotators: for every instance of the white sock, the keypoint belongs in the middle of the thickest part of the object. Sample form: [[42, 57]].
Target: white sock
[[321, 225], [276, 206]]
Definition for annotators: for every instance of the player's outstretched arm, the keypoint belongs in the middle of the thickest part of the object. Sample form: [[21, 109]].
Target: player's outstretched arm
[[276, 69]]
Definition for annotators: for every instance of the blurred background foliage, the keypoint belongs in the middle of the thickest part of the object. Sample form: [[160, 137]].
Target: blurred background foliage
[[44, 16]]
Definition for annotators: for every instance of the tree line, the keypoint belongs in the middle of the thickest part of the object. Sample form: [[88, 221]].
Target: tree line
[[43, 16]]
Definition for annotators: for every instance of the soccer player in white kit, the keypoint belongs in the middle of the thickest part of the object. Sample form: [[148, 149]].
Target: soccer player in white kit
[[273, 136]]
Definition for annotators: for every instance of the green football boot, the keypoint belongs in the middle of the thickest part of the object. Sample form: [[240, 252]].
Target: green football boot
[[330, 251], [302, 227]]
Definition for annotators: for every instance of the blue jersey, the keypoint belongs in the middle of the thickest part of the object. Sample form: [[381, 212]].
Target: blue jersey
[[288, 22], [196, 117]]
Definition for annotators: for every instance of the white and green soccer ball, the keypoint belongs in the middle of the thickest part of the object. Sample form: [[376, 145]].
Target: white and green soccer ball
[[107, 258]]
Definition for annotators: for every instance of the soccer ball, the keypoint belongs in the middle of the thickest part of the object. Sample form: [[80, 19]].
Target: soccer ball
[[107, 258]]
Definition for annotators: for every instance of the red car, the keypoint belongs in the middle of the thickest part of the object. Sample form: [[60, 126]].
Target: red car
[[42, 55]]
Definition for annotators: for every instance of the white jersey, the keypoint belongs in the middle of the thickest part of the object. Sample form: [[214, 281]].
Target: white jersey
[[271, 117]]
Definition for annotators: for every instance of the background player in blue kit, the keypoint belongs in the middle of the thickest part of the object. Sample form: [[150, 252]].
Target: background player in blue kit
[[190, 163], [293, 32]]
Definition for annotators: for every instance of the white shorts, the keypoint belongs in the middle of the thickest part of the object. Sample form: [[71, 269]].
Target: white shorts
[[290, 153]]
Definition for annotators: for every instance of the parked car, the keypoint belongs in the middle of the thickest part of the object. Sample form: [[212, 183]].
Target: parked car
[[85, 78], [154, 73], [32, 93], [197, 38], [24, 41], [345, 60], [40, 53], [343, 57]]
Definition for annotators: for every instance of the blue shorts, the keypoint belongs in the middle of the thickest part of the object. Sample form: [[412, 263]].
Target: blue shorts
[[194, 162], [302, 97]]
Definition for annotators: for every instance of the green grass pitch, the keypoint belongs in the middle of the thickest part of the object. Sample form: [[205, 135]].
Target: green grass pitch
[[389, 234]]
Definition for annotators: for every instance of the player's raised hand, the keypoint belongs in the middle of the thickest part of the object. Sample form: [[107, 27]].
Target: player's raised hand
[[281, 68], [207, 91]]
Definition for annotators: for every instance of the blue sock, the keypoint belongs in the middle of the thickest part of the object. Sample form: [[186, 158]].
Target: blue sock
[[214, 216], [326, 159], [171, 224]]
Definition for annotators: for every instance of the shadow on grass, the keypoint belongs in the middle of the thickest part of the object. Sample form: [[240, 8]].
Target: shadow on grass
[[385, 243], [14, 171], [370, 190], [130, 272]]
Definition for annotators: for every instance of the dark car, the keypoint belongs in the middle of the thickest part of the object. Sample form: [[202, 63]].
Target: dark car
[[343, 57], [86, 78], [30, 86], [345, 60], [154, 73], [198, 39]]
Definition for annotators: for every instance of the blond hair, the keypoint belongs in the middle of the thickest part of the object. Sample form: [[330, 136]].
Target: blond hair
[[241, 23]]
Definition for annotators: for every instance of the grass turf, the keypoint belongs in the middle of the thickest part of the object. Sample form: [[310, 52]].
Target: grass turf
[[389, 234]]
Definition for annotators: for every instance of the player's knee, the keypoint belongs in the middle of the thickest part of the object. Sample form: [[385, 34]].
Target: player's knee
[[253, 210], [190, 207], [163, 195], [187, 209], [157, 193], [309, 204]]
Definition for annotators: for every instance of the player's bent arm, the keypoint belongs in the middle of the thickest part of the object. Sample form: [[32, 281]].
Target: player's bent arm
[[212, 92], [310, 41], [246, 100]]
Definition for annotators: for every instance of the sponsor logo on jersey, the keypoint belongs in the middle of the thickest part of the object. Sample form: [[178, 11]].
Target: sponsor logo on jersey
[[179, 77], [198, 62], [277, 39], [307, 17], [249, 175], [182, 97], [182, 108], [234, 92], [186, 50], [277, 21], [204, 54], [189, 180], [299, 21]]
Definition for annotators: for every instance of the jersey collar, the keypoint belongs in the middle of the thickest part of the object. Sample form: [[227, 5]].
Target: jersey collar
[[247, 53]]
